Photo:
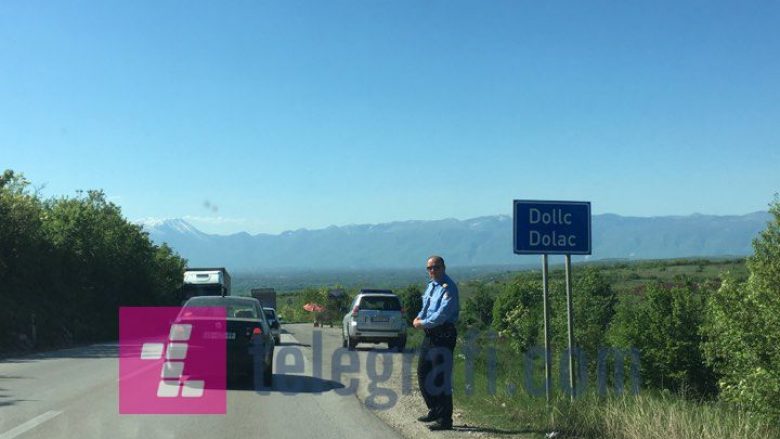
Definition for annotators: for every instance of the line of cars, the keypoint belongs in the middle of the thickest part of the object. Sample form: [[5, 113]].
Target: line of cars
[[253, 331]]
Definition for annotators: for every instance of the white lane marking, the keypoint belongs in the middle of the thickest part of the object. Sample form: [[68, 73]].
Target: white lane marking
[[29, 425]]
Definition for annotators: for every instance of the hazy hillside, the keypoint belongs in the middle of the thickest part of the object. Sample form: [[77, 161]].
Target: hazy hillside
[[478, 241]]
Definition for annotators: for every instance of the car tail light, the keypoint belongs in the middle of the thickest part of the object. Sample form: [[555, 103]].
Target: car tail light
[[355, 311], [257, 331]]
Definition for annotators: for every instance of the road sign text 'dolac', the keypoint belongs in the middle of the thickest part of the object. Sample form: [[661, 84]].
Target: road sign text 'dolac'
[[552, 227]]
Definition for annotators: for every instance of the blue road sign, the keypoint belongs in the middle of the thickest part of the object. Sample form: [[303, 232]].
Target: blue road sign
[[552, 227]]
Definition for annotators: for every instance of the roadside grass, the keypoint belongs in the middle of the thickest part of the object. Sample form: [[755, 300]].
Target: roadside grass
[[414, 339], [505, 403], [656, 416]]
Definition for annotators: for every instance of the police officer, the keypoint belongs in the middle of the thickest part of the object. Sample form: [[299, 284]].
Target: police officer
[[437, 318]]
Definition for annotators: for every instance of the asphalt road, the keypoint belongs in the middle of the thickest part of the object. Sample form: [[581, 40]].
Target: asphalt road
[[74, 393]]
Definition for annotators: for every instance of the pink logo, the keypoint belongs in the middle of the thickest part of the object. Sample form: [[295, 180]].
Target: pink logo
[[172, 360]]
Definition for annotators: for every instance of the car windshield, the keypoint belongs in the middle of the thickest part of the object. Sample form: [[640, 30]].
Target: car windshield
[[388, 303], [241, 309]]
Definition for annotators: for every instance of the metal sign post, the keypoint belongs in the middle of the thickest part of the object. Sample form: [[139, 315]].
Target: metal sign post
[[557, 228], [570, 314], [547, 353]]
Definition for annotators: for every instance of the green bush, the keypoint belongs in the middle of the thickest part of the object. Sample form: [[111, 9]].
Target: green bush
[[68, 264], [477, 311], [411, 298], [24, 258], [665, 326], [516, 313], [743, 326], [594, 303]]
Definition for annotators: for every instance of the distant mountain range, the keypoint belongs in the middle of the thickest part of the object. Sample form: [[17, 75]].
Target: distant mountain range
[[473, 242]]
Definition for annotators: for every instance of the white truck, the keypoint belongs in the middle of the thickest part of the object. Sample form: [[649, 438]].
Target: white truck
[[205, 282]]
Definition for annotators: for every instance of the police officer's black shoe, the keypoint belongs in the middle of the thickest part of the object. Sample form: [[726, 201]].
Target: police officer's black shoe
[[430, 417], [440, 425]]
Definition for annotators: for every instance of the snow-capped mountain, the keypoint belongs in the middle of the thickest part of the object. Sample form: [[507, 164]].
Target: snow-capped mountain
[[160, 228], [479, 241]]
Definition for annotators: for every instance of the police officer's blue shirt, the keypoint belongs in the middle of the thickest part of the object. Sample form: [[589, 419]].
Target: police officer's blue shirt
[[440, 303]]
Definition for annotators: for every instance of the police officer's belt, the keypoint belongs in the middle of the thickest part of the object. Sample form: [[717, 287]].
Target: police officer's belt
[[443, 330]]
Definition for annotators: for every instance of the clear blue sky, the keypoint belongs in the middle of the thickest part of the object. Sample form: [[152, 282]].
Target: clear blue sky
[[267, 116]]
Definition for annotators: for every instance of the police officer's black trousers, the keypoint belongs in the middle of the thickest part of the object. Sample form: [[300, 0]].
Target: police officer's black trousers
[[434, 371]]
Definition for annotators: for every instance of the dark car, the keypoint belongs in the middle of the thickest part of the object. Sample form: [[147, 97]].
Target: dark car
[[275, 323], [248, 335]]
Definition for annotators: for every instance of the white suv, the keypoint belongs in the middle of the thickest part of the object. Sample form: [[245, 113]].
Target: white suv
[[376, 316]]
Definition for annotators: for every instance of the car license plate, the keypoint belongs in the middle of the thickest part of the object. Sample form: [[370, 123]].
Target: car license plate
[[380, 319]]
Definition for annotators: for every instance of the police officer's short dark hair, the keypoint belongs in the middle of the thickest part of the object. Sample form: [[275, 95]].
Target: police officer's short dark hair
[[438, 258]]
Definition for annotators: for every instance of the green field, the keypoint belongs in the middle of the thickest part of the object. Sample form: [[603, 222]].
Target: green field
[[625, 276]]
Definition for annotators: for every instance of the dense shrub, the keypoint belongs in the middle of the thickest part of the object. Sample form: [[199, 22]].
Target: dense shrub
[[743, 326], [594, 303], [411, 298], [665, 326], [516, 314], [68, 264], [477, 310]]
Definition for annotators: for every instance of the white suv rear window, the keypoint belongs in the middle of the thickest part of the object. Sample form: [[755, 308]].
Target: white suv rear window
[[379, 303]]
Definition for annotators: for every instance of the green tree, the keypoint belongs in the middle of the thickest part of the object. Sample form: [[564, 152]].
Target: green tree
[[411, 298], [665, 326], [594, 303], [477, 311], [743, 326], [516, 313], [24, 259], [314, 295], [68, 264], [103, 262]]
